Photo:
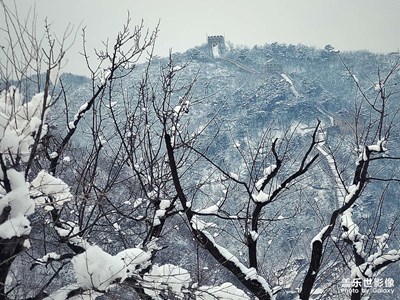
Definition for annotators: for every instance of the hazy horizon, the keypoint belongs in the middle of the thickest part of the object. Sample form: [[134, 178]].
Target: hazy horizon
[[356, 25]]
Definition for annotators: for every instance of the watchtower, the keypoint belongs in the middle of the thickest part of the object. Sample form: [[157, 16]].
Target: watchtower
[[216, 40], [273, 67]]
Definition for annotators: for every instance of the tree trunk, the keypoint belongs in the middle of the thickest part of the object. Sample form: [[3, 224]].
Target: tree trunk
[[9, 249]]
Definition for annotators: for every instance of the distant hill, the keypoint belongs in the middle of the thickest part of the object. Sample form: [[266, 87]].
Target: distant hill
[[286, 88], [253, 83]]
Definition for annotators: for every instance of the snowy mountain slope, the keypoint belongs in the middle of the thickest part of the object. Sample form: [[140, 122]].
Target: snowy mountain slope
[[303, 85]]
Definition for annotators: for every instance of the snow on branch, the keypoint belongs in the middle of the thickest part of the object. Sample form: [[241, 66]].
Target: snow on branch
[[380, 146], [161, 211], [365, 151], [78, 115], [262, 198], [267, 172], [16, 206], [21, 127], [198, 224], [350, 229], [213, 209], [71, 128], [69, 231], [47, 189], [225, 291], [318, 237], [166, 277], [96, 269], [15, 227], [248, 274], [377, 260], [19, 123]]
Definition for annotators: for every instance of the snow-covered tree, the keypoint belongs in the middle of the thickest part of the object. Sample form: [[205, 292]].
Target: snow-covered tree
[[370, 250]]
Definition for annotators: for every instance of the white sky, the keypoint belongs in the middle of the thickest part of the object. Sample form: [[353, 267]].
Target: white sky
[[346, 24]]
